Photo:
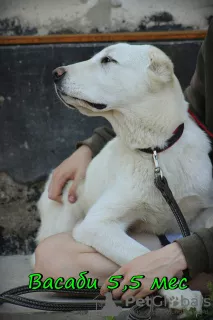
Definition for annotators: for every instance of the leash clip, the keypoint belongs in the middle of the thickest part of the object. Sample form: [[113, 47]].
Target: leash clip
[[158, 171]]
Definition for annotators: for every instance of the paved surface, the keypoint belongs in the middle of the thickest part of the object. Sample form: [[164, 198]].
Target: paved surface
[[14, 271]]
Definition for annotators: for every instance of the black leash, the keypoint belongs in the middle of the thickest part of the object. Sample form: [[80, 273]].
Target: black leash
[[161, 183], [13, 296], [163, 186], [92, 301]]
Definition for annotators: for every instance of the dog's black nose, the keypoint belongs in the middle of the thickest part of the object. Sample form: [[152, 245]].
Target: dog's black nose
[[58, 74]]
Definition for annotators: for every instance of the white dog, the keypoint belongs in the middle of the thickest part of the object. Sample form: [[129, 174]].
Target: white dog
[[135, 89]]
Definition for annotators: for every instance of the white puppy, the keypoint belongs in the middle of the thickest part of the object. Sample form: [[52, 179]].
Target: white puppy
[[135, 89]]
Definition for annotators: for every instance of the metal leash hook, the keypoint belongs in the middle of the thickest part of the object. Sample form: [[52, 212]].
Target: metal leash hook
[[158, 170]]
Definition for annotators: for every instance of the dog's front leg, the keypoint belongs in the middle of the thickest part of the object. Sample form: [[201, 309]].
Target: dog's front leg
[[108, 238], [104, 229]]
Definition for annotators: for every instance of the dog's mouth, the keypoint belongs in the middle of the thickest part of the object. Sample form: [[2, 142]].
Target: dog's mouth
[[62, 95]]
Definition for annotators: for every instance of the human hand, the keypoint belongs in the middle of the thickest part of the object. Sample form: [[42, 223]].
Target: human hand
[[164, 262], [73, 168]]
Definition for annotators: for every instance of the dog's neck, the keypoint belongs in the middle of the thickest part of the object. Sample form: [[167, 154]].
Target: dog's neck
[[149, 130]]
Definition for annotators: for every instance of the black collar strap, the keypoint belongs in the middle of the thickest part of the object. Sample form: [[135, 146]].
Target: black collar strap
[[176, 136]]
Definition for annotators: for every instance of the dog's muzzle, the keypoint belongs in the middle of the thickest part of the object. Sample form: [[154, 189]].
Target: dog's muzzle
[[61, 94], [58, 75]]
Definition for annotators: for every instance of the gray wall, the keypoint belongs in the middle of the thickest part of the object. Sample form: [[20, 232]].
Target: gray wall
[[73, 16]]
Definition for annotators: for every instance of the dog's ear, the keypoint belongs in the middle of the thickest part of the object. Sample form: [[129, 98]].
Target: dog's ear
[[161, 67]]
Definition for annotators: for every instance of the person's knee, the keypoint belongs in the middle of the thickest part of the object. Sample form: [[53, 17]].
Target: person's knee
[[51, 253], [61, 256]]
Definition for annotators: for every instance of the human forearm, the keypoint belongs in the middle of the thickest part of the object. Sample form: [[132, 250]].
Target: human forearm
[[198, 251]]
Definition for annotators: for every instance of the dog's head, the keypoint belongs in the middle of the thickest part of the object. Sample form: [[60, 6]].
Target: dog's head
[[132, 86], [120, 75]]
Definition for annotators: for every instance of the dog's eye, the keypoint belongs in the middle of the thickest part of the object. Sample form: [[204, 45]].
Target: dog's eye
[[107, 60]]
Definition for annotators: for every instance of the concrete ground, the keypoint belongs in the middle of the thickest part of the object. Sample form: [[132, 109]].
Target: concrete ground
[[14, 271]]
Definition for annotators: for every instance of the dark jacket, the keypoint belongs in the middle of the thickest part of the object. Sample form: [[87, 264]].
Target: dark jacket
[[197, 248]]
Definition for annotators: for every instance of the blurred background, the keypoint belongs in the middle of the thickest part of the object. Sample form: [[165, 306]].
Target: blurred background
[[37, 131], [40, 17]]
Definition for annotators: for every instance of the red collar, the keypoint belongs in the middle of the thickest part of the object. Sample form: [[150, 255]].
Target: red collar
[[170, 142], [178, 133], [200, 124]]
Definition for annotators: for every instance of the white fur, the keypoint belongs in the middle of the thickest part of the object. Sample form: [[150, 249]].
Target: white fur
[[145, 104]]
